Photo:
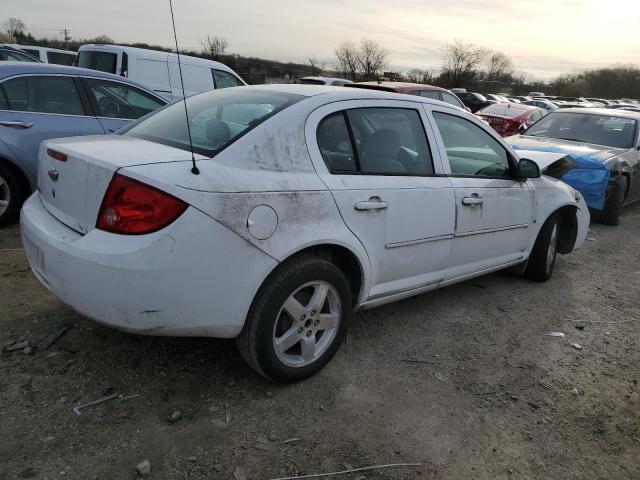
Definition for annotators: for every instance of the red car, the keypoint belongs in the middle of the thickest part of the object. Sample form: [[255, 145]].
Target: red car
[[419, 89], [506, 118]]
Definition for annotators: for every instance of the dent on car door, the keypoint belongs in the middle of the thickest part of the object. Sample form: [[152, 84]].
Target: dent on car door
[[376, 160], [40, 107], [494, 211]]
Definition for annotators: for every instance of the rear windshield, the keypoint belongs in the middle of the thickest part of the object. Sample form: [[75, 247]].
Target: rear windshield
[[606, 130], [503, 110], [101, 61], [311, 81], [216, 118]]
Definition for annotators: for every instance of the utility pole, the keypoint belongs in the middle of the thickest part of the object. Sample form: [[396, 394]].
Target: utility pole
[[67, 37]]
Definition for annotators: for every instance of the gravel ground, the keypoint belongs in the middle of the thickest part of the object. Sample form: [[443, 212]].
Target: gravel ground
[[464, 381]]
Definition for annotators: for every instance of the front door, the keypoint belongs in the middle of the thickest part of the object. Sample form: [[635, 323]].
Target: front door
[[494, 211], [376, 159], [38, 108]]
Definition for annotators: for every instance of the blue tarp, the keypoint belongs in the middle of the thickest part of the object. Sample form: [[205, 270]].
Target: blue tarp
[[590, 177]]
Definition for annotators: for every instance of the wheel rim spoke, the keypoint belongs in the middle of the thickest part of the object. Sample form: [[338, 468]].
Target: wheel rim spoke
[[294, 308], [308, 348], [319, 298], [327, 321], [288, 339]]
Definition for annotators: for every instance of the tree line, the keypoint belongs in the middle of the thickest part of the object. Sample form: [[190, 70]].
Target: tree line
[[464, 65]]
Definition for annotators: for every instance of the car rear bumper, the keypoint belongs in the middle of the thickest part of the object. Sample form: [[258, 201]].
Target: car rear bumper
[[193, 278]]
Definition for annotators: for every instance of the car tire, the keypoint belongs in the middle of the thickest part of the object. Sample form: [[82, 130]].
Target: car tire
[[613, 207], [287, 349], [11, 195], [543, 256]]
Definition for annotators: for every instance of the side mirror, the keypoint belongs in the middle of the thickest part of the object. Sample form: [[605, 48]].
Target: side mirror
[[528, 169], [522, 128]]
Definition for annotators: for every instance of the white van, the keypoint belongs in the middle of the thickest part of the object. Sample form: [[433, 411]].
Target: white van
[[47, 55], [158, 70]]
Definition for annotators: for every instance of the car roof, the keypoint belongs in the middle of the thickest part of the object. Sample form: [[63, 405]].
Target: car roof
[[342, 93], [10, 69], [401, 87], [610, 112]]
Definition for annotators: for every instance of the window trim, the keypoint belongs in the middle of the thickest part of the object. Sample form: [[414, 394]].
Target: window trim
[[513, 163], [86, 107], [359, 171]]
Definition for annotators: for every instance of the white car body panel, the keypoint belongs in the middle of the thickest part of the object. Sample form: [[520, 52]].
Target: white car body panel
[[199, 275]]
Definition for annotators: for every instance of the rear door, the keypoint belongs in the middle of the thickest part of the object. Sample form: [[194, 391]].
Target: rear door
[[494, 211], [39, 107], [376, 157], [117, 103]]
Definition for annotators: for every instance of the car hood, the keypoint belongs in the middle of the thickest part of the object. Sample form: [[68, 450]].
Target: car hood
[[575, 149]]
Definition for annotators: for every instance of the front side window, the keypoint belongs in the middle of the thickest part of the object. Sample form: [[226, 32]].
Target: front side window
[[216, 118], [101, 61], [60, 58], [385, 141], [606, 130], [117, 100], [471, 150], [225, 79], [53, 94]]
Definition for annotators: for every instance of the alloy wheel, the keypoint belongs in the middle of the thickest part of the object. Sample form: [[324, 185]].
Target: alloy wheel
[[307, 324]]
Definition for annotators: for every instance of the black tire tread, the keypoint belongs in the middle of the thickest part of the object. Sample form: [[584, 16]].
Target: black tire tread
[[613, 207], [17, 195], [536, 266]]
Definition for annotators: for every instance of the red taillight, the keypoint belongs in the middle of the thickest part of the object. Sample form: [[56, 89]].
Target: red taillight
[[57, 155], [131, 207]]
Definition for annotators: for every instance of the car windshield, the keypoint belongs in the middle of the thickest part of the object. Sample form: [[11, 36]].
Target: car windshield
[[606, 130], [503, 110], [216, 119]]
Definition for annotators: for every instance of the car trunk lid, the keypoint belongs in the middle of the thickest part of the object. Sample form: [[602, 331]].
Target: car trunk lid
[[74, 173]]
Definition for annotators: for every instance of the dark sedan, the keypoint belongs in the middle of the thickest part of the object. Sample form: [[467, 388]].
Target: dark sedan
[[474, 101]]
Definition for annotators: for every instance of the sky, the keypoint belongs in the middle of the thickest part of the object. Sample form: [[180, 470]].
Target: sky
[[543, 37]]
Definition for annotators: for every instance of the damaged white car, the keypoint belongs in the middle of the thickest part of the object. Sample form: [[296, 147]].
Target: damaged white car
[[305, 203]]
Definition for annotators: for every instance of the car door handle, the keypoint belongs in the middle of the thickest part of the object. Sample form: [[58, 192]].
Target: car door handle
[[374, 203], [13, 124], [473, 200]]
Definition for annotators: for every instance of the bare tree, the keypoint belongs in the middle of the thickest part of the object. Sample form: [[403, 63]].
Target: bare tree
[[317, 65], [461, 61], [14, 27], [103, 39], [372, 58], [6, 38], [499, 67], [347, 60], [419, 75], [214, 46]]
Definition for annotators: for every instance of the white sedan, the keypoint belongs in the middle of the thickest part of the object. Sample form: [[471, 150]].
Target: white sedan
[[307, 203]]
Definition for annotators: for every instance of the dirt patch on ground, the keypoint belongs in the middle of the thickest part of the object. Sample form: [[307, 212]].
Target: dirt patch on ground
[[462, 380]]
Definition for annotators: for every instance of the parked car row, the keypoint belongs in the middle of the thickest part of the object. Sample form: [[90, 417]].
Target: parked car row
[[45, 54]]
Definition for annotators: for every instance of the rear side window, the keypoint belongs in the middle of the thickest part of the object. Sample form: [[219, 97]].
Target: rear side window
[[101, 61], [471, 151], [118, 100], [216, 118], [433, 95], [33, 53], [57, 95], [4, 105], [60, 58], [451, 99], [388, 141], [335, 144], [225, 79]]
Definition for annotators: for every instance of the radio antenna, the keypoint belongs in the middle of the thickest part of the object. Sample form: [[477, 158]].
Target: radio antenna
[[194, 168]]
